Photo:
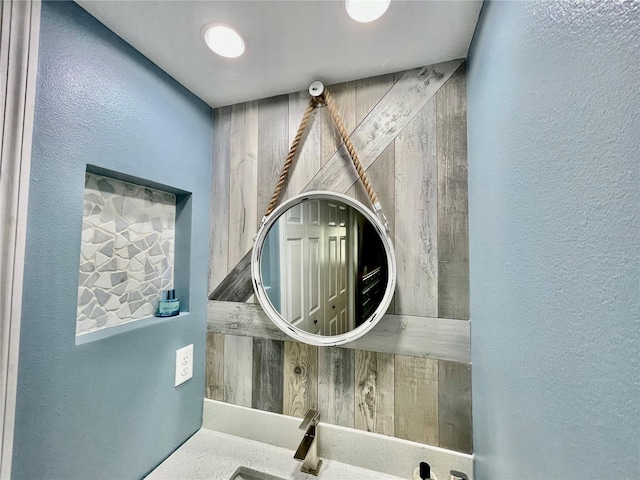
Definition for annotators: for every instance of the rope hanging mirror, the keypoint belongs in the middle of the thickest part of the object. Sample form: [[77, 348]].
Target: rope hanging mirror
[[323, 266]]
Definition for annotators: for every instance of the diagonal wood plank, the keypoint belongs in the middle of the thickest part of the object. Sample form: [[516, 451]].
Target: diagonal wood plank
[[237, 286], [389, 117], [374, 134]]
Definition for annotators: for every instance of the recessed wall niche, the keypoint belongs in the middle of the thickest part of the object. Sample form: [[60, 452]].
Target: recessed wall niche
[[126, 253]]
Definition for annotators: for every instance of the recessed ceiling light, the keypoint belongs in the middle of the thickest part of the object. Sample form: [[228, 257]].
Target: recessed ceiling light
[[366, 10], [224, 40]]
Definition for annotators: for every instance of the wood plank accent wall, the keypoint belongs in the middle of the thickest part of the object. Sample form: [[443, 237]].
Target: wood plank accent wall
[[300, 382], [427, 337], [375, 392], [243, 175], [453, 211], [416, 229], [410, 376], [219, 239]]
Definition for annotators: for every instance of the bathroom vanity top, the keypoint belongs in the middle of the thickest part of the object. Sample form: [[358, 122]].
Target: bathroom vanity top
[[213, 455]]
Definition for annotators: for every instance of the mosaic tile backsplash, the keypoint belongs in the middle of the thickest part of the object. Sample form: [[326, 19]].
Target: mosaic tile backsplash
[[126, 254]]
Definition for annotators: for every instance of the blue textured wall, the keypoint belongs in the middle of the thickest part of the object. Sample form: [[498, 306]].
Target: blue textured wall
[[554, 196], [105, 409]]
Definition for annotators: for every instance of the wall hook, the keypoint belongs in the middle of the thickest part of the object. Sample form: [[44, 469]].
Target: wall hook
[[316, 89]]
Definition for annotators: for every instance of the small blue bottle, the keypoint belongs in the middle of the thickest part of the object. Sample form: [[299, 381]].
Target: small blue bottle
[[169, 305]]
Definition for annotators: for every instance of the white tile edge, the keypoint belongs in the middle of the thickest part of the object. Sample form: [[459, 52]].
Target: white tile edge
[[381, 453]]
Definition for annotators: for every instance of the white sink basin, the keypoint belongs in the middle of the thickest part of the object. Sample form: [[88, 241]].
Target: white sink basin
[[211, 455], [246, 473]]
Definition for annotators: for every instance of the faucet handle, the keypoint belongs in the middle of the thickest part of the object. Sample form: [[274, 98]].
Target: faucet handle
[[311, 418]]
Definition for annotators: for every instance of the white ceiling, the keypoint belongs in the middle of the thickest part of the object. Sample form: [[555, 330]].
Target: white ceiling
[[289, 43]]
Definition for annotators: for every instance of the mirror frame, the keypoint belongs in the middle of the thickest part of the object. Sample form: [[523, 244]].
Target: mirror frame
[[293, 331]]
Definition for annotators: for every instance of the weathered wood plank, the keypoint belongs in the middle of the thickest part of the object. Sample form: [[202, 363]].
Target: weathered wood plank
[[219, 243], [336, 393], [416, 399], [307, 162], [243, 201], [300, 378], [235, 318], [389, 117], [454, 406], [416, 216], [237, 286], [453, 210], [369, 92], [344, 95], [441, 338], [268, 363], [380, 174], [238, 363], [419, 336], [273, 147], [214, 372], [374, 383]]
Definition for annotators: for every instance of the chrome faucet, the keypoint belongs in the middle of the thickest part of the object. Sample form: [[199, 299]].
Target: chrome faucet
[[307, 452]]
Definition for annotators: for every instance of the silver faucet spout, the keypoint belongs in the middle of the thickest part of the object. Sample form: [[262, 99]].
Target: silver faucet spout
[[306, 446], [307, 451], [311, 418]]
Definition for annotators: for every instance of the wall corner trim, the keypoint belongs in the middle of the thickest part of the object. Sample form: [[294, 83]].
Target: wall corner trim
[[19, 38]]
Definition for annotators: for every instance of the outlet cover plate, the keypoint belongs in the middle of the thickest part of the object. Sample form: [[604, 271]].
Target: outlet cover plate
[[184, 364]]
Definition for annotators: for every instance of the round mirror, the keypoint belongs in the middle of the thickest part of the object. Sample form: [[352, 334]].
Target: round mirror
[[323, 268]]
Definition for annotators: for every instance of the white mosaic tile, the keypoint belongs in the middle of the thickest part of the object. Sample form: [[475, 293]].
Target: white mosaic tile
[[126, 253]]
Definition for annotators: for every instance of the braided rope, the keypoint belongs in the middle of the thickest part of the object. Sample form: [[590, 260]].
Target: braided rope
[[333, 111], [352, 151], [292, 153]]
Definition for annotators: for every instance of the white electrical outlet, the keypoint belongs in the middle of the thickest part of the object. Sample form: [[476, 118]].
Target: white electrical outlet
[[184, 364]]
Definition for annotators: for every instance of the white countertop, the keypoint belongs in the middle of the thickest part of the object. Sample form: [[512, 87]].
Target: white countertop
[[234, 436], [214, 455]]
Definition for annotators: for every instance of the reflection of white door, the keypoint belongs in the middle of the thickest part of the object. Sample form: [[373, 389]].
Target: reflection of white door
[[335, 220], [314, 267], [300, 266]]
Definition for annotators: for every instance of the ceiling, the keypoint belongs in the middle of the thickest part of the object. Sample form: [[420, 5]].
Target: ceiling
[[289, 43]]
